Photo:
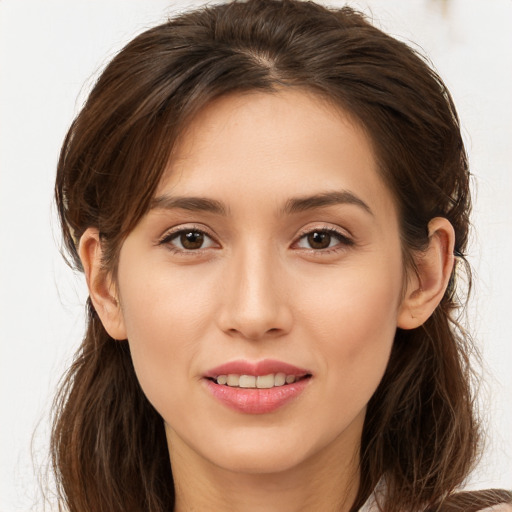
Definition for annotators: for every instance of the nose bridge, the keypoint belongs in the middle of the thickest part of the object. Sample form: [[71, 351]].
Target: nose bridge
[[255, 303]]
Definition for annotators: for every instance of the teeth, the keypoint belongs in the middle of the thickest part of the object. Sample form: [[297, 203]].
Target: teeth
[[247, 381], [265, 381], [261, 381], [233, 380], [280, 379]]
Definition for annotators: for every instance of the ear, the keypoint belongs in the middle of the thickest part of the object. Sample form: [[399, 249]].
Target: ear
[[426, 288], [102, 289]]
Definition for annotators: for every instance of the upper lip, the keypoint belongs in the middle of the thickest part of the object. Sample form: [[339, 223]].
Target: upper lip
[[256, 368]]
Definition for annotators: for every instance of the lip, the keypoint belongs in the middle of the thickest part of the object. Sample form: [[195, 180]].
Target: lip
[[256, 401], [258, 368]]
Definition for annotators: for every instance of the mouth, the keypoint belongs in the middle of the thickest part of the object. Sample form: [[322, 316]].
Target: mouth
[[269, 381], [256, 388]]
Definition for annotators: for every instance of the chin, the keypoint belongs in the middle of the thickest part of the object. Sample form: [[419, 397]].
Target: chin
[[267, 451], [260, 460]]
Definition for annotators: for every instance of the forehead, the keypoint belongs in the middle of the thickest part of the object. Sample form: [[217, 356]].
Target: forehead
[[285, 143]]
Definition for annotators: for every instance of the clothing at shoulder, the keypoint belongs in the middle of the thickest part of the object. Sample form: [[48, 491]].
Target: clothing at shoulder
[[503, 507], [489, 500]]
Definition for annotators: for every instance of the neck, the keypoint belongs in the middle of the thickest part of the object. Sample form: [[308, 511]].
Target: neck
[[312, 485]]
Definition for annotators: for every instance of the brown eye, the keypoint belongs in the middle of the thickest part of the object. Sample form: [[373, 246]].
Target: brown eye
[[191, 240], [319, 239], [322, 239], [186, 240]]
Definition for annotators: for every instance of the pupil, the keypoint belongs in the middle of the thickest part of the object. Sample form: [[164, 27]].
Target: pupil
[[192, 240], [319, 240]]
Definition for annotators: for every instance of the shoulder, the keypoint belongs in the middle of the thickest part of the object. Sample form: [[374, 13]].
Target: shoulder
[[489, 500], [503, 507]]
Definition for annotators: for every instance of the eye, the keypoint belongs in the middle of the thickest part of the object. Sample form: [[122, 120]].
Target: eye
[[188, 240], [322, 239]]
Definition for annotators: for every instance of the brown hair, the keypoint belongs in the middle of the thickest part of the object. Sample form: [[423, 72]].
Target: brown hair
[[420, 434]]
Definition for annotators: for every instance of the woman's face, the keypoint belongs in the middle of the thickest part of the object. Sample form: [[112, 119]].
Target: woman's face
[[271, 250]]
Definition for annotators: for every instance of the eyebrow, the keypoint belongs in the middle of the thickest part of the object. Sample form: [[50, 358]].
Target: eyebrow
[[301, 204], [203, 204], [293, 205]]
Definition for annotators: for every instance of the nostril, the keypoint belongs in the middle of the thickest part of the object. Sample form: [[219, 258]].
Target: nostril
[[254, 321]]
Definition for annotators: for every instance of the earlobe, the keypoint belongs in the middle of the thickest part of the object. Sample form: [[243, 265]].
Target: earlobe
[[100, 284], [434, 267]]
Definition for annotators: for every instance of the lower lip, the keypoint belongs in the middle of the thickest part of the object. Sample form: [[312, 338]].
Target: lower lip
[[256, 401]]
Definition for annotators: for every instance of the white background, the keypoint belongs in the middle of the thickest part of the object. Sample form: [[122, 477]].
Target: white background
[[50, 53]]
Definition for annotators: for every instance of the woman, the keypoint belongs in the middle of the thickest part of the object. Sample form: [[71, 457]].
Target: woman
[[267, 200]]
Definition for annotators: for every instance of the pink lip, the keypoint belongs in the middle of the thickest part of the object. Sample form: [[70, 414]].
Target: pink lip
[[264, 367], [256, 401]]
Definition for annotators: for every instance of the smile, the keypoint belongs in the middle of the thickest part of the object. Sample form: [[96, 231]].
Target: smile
[[257, 381], [256, 388]]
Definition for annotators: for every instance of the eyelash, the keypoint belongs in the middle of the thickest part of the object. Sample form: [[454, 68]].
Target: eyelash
[[173, 235], [344, 240]]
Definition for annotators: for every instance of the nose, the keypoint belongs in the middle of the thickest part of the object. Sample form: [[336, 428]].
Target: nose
[[255, 304]]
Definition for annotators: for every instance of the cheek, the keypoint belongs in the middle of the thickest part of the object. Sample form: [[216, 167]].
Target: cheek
[[164, 327], [353, 321], [162, 305], [353, 300]]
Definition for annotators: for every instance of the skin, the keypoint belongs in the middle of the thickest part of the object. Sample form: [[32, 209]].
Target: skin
[[257, 289]]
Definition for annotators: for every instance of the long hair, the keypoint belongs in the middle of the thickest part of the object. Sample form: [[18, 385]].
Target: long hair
[[420, 434]]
